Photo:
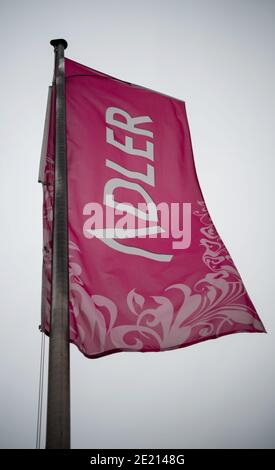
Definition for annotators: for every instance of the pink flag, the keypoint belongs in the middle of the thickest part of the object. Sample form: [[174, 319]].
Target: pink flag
[[147, 268]]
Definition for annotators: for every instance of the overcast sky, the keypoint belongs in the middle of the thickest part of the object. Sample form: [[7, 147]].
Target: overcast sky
[[217, 56]]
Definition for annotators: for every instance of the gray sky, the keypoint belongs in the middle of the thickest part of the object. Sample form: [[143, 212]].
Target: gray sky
[[218, 56]]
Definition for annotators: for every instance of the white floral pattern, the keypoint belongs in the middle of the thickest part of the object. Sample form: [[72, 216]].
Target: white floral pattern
[[214, 306]]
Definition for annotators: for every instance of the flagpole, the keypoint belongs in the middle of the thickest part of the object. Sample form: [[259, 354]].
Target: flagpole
[[58, 407]]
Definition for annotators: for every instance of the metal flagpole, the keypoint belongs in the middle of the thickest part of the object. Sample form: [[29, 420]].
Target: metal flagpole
[[58, 407]]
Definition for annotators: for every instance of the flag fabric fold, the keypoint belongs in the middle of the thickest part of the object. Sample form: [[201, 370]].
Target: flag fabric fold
[[148, 270]]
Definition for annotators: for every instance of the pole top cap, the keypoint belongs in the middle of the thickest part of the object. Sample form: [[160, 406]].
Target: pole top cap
[[56, 42]]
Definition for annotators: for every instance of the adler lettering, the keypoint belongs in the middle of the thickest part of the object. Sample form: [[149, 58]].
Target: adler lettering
[[121, 119]]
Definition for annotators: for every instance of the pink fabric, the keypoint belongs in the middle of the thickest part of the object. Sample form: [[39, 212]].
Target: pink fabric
[[129, 302]]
